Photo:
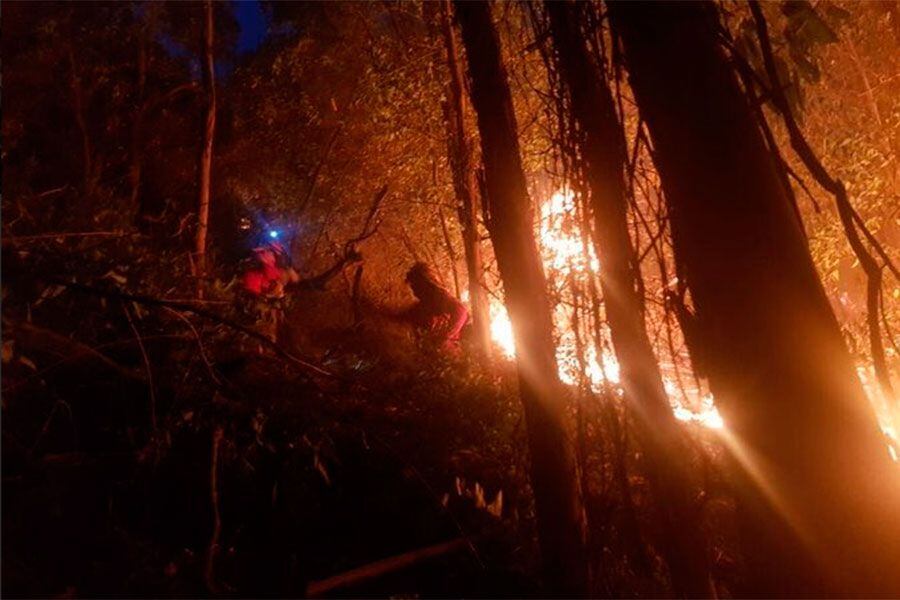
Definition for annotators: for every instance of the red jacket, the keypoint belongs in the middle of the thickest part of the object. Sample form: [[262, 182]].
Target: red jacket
[[266, 276]]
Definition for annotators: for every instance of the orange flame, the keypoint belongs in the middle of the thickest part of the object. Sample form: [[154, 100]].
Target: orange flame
[[563, 252]]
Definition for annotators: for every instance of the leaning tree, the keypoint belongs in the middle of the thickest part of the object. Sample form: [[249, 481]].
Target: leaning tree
[[818, 491]]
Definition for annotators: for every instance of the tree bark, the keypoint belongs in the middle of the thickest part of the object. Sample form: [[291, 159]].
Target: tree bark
[[136, 166], [459, 153], [553, 470], [451, 252], [209, 130], [89, 179], [818, 491], [602, 149]]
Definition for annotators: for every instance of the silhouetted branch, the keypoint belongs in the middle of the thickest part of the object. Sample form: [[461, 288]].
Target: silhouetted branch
[[382, 567], [849, 218], [200, 312]]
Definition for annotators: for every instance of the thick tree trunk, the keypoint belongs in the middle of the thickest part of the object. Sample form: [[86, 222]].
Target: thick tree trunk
[[209, 130], [819, 493], [460, 155], [602, 149], [553, 476]]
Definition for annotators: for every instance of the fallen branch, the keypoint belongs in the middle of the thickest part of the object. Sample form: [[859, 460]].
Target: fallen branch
[[200, 346], [376, 569], [213, 550], [319, 281], [146, 359], [350, 254]]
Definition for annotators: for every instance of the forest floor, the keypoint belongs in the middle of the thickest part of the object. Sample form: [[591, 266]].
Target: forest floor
[[148, 452]]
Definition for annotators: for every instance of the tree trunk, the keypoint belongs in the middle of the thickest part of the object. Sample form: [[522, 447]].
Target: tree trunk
[[209, 83], [553, 477], [601, 145], [89, 179], [818, 491], [136, 166], [451, 253], [459, 153]]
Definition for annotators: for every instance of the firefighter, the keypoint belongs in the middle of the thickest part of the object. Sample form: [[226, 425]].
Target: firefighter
[[437, 315], [264, 278], [269, 271]]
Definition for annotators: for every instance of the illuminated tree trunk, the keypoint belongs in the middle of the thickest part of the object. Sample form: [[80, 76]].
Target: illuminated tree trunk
[[602, 148], [465, 186], [553, 477], [818, 491], [209, 130]]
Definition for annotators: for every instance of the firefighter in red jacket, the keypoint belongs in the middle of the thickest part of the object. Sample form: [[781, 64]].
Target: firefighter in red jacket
[[263, 281], [269, 272]]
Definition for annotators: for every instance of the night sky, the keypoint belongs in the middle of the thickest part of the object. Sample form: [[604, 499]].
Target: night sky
[[253, 24]]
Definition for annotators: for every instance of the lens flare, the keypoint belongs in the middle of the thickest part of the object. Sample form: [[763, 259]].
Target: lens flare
[[501, 329]]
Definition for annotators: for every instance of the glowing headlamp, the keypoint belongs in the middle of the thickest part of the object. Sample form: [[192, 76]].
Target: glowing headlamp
[[273, 234]]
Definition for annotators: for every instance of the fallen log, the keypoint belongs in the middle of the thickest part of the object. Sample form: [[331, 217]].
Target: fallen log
[[316, 589]]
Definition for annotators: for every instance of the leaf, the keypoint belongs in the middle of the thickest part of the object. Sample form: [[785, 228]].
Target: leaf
[[8, 346], [321, 469], [111, 274], [496, 507], [28, 363], [805, 62], [805, 25], [834, 12], [479, 496], [49, 292]]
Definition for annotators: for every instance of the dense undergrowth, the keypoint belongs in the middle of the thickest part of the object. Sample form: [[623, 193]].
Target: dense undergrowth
[[149, 451]]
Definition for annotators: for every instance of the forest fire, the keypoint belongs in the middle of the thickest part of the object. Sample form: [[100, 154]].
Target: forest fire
[[239, 353], [567, 254]]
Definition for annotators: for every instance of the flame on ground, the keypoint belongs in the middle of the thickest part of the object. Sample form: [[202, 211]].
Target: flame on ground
[[565, 253]]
